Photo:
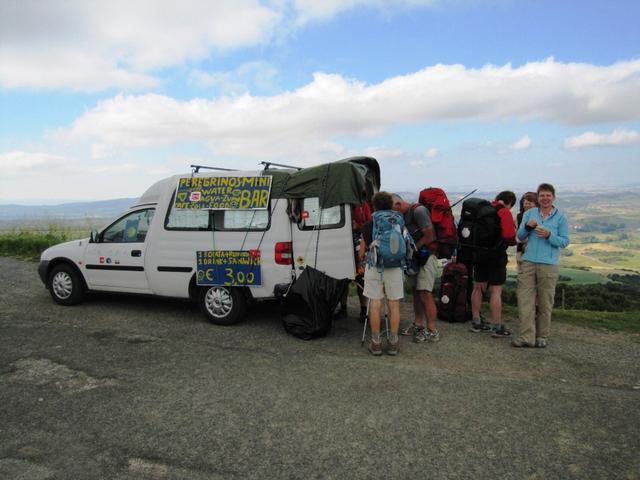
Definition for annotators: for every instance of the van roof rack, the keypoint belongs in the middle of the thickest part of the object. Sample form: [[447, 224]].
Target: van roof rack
[[268, 164], [196, 168]]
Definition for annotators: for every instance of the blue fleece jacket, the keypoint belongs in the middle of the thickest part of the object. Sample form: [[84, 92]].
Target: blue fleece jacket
[[544, 250]]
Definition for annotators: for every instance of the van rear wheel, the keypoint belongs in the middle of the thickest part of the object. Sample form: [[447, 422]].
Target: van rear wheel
[[222, 305]]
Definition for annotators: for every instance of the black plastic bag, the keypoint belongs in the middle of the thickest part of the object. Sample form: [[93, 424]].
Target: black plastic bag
[[310, 303]]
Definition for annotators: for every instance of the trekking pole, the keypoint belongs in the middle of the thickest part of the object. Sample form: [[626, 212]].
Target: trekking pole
[[470, 193], [366, 321]]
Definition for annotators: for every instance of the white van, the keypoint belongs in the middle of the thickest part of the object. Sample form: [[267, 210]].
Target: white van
[[307, 222]]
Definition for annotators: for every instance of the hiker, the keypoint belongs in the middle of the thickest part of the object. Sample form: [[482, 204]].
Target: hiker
[[418, 222], [491, 272], [361, 214], [380, 284], [527, 201], [546, 230]]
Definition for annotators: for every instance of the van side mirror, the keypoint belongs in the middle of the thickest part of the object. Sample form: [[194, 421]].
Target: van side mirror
[[94, 238]]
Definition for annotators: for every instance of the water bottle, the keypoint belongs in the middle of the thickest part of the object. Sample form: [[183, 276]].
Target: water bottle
[[424, 251]]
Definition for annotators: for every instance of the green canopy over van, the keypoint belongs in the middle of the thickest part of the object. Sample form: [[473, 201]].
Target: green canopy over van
[[351, 180]]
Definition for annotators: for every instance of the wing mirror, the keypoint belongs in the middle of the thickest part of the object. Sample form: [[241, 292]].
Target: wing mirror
[[95, 237]]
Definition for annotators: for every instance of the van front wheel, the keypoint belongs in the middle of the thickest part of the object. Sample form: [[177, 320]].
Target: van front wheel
[[222, 305], [65, 285]]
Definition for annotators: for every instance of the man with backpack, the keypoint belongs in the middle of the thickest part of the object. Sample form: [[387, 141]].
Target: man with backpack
[[418, 222], [383, 241], [490, 258]]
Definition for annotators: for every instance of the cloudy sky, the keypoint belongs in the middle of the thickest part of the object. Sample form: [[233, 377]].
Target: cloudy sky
[[98, 99]]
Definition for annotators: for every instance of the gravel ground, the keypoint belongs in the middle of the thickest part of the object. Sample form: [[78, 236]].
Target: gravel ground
[[130, 387]]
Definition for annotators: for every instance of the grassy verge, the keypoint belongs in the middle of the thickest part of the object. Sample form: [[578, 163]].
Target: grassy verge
[[628, 322], [28, 245]]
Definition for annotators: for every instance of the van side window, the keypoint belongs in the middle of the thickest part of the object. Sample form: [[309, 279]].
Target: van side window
[[131, 228], [231, 220], [186, 219], [332, 217]]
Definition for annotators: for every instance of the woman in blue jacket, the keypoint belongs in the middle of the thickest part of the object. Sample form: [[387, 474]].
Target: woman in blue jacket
[[546, 231]]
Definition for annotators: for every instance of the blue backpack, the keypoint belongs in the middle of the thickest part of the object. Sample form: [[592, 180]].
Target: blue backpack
[[391, 242]]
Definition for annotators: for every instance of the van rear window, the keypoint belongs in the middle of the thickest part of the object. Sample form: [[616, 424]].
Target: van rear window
[[312, 216]]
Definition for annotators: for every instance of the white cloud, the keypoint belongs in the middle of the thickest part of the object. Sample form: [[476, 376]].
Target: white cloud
[[307, 121], [431, 153], [91, 46], [620, 136], [17, 163], [29, 176], [417, 163], [523, 144], [383, 152]]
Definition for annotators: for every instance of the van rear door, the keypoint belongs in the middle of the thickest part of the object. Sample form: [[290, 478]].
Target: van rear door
[[323, 239]]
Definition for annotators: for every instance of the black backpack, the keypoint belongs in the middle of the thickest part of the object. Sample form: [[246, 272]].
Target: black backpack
[[309, 305], [479, 233]]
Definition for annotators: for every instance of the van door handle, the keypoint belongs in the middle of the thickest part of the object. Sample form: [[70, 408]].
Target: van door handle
[[136, 253]]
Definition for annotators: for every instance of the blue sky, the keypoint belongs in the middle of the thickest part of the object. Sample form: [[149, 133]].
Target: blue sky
[[99, 99]]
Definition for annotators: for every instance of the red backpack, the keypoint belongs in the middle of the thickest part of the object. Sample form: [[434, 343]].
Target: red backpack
[[444, 224]]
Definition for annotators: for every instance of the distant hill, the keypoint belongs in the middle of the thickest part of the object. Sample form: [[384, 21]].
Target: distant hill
[[569, 200], [99, 209]]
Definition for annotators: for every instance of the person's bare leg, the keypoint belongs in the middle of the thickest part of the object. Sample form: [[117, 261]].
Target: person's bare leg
[[495, 304], [476, 298], [394, 317], [418, 309], [374, 318], [429, 307]]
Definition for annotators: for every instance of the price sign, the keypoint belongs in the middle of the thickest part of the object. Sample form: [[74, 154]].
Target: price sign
[[229, 268]]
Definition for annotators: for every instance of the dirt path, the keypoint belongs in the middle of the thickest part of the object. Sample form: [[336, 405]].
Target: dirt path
[[134, 387]]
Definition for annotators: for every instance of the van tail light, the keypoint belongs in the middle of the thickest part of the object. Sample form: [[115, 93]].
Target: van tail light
[[284, 253]]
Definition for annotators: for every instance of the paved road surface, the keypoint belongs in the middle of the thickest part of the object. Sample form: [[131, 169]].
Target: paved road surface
[[140, 388]]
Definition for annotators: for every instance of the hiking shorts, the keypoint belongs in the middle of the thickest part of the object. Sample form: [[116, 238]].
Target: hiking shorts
[[426, 277], [377, 285], [493, 272]]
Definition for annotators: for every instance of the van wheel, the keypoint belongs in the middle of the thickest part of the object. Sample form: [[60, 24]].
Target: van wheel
[[66, 285], [222, 305]]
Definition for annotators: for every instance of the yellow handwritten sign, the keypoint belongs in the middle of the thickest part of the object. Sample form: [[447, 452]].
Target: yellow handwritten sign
[[223, 193], [229, 267]]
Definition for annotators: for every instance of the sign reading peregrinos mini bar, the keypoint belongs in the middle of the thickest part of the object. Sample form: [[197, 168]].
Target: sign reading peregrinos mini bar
[[223, 193]]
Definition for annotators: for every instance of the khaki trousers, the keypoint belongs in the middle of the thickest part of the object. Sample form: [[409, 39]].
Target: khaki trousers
[[536, 281]]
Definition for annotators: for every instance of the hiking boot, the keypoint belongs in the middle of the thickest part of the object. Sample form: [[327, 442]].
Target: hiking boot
[[433, 336], [410, 330], [375, 348], [500, 332], [421, 335], [393, 348], [520, 344], [480, 327], [541, 343]]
